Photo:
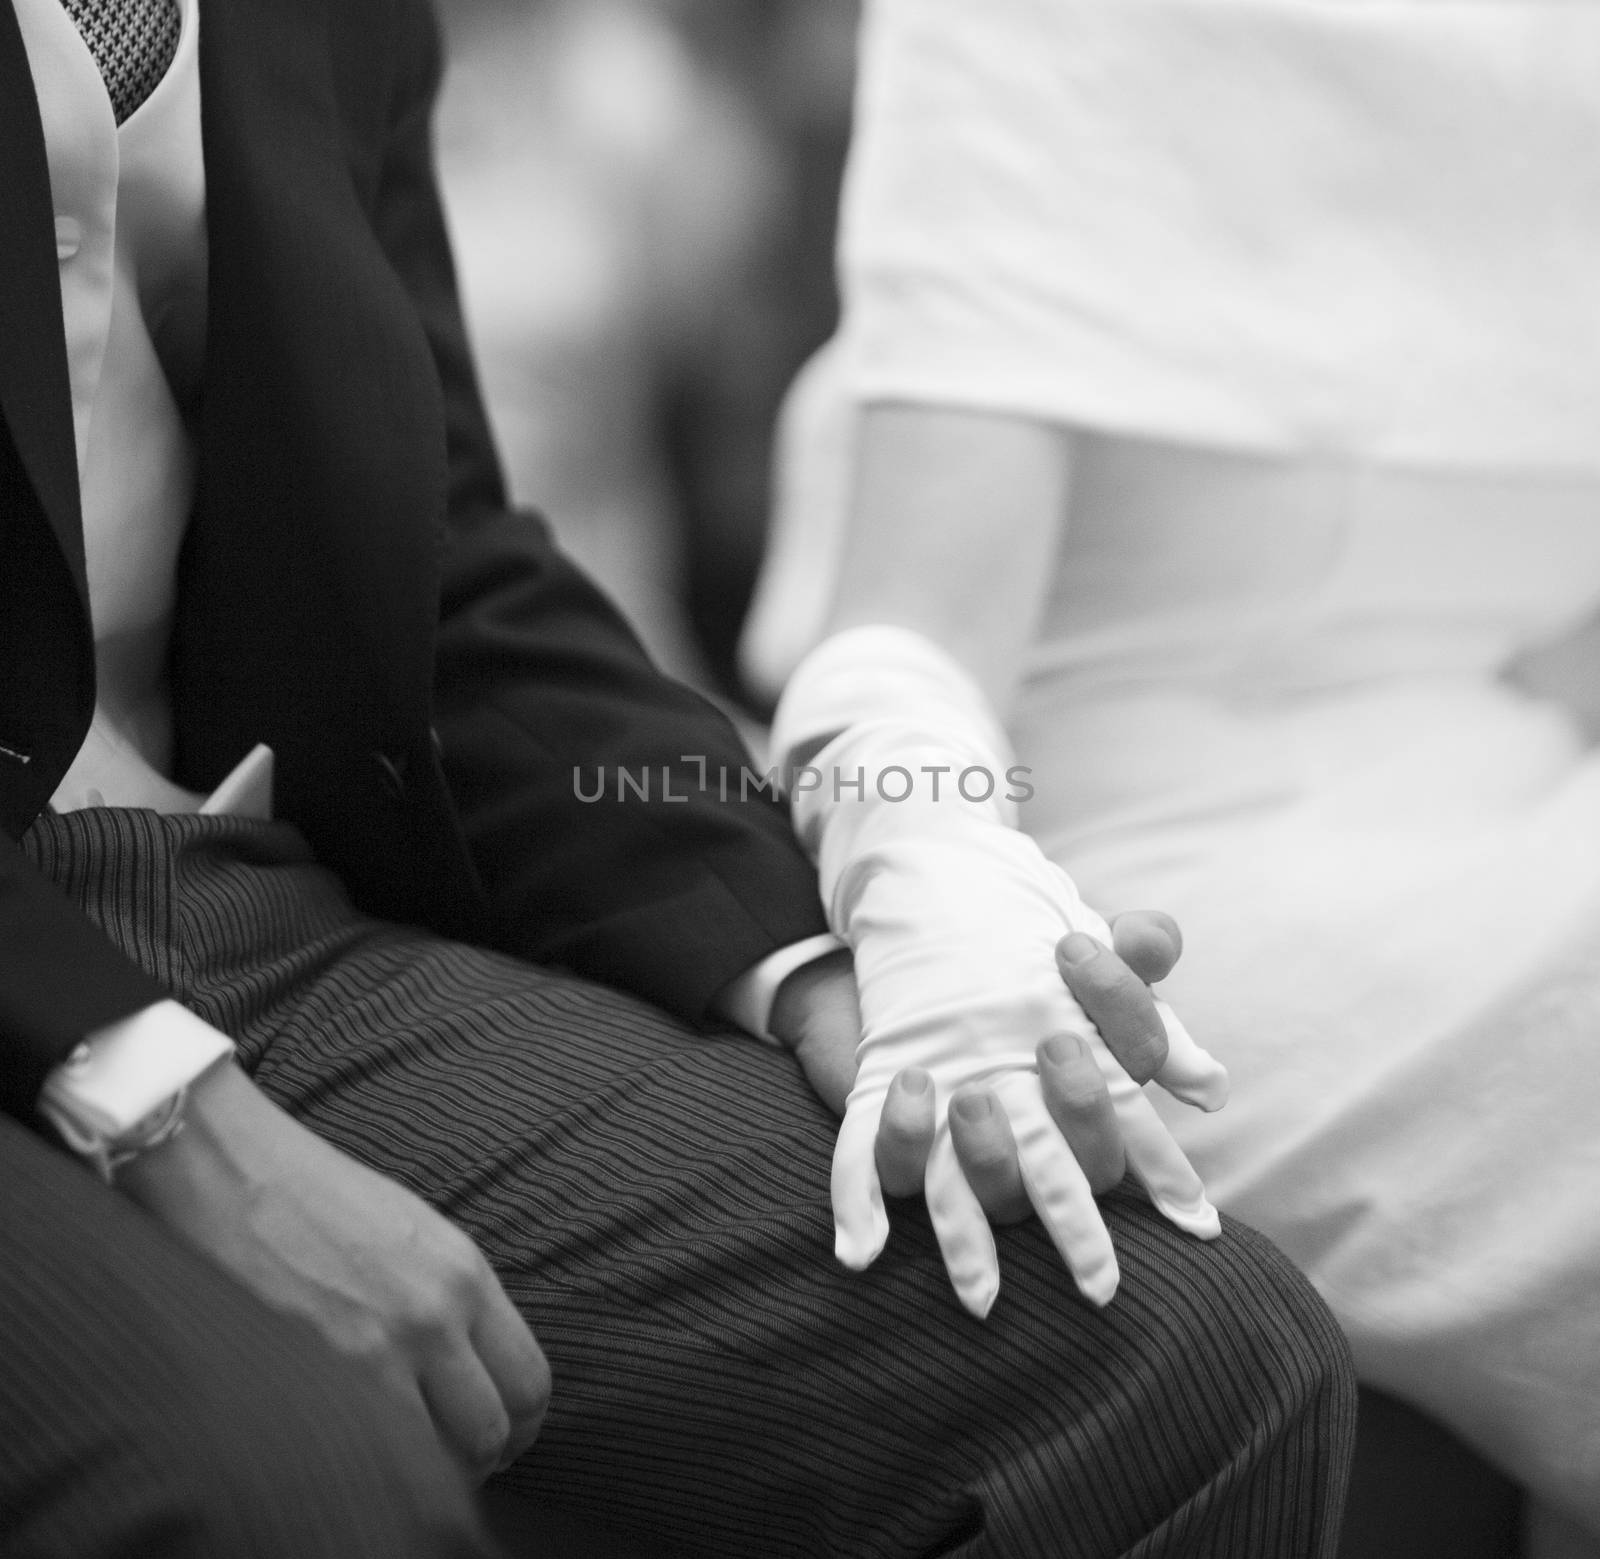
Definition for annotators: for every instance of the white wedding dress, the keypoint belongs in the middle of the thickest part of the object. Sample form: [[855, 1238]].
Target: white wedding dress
[[1318, 285]]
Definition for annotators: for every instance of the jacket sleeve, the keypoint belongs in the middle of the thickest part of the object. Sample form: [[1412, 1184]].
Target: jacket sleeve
[[543, 698], [60, 978]]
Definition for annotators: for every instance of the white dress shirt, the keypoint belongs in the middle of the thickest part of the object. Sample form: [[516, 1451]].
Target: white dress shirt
[[131, 242]]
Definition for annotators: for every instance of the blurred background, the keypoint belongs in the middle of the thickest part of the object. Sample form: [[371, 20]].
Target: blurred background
[[643, 195]]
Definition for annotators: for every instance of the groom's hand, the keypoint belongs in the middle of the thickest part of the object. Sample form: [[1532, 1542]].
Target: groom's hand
[[383, 1277], [816, 1013], [1112, 985]]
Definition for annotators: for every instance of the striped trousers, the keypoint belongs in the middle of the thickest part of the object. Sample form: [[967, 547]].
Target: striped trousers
[[655, 1201]]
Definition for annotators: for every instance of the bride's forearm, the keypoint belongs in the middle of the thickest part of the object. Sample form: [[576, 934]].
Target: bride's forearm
[[954, 527]]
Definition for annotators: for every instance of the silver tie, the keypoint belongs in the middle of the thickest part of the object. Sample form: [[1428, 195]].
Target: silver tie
[[132, 41]]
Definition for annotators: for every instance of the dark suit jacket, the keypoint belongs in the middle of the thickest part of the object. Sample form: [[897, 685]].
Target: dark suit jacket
[[354, 590]]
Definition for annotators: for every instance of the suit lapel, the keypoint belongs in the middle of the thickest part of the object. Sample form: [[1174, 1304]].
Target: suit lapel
[[35, 392]]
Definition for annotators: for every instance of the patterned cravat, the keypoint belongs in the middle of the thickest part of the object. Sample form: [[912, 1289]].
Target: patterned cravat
[[132, 41]]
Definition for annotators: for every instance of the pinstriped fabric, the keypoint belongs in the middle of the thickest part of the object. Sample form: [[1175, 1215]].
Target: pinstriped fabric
[[150, 1408], [656, 1203]]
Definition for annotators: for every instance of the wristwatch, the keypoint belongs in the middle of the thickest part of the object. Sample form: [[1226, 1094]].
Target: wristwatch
[[123, 1090]]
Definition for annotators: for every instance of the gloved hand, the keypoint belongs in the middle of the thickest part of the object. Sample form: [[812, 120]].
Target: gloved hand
[[953, 916]]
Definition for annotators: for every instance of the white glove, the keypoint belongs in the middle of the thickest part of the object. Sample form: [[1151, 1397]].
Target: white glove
[[953, 916]]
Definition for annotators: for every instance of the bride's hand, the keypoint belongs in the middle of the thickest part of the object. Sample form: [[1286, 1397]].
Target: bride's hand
[[958, 923], [959, 926], [817, 1014], [1112, 985]]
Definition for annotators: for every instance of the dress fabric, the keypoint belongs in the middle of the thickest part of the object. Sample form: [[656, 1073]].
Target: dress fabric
[[1269, 699], [1337, 470], [1276, 224]]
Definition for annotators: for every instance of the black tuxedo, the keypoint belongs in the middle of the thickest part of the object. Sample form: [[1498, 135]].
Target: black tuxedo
[[354, 589]]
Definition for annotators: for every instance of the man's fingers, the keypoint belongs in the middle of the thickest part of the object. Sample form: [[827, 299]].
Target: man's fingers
[[1075, 1095], [465, 1406], [516, 1364], [905, 1133], [965, 1240], [987, 1153], [1058, 1190], [1148, 941], [1142, 1033], [1117, 1002], [817, 1015]]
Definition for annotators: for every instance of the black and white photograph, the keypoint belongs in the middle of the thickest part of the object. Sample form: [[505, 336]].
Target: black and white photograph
[[799, 779]]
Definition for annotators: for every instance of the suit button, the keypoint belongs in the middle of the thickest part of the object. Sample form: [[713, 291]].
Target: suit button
[[391, 774]]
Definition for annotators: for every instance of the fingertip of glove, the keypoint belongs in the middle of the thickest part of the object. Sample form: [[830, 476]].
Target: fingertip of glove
[[1214, 1093], [857, 1250], [1198, 1218], [1207, 1091], [978, 1298], [1099, 1286]]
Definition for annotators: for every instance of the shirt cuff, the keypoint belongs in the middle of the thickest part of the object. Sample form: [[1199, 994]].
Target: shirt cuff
[[747, 1001], [126, 1070]]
